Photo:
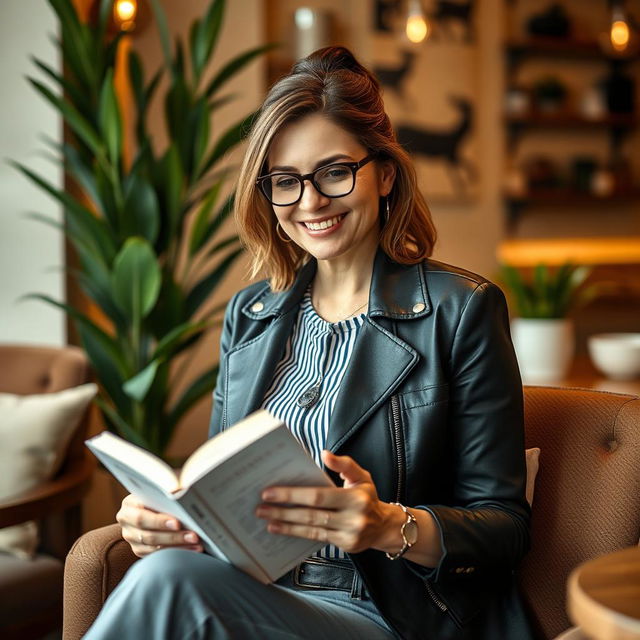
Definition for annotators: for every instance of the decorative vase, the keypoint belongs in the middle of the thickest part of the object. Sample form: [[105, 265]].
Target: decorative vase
[[544, 348]]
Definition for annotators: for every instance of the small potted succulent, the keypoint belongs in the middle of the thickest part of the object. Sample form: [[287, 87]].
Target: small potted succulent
[[542, 332]]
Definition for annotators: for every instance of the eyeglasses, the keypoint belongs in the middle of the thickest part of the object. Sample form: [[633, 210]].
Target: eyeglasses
[[332, 181]]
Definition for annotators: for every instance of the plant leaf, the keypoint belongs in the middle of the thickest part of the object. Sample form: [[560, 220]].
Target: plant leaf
[[172, 340], [173, 180], [136, 279], [206, 37], [141, 209], [229, 139], [92, 229], [109, 119], [72, 116], [71, 90], [221, 215], [201, 386], [222, 245], [200, 132], [120, 425], [105, 340], [163, 31], [234, 66], [76, 41], [202, 290], [138, 386], [83, 176], [201, 221]]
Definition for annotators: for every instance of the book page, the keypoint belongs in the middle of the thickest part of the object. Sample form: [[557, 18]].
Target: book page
[[151, 494], [233, 492], [226, 444], [130, 456]]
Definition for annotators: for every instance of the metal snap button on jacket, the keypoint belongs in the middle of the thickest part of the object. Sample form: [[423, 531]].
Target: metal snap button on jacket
[[418, 307], [257, 306]]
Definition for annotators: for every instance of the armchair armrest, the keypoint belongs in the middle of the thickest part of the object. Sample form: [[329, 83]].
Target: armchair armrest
[[94, 566], [58, 494]]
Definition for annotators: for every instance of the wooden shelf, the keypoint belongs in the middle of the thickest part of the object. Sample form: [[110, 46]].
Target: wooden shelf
[[557, 251], [563, 196], [572, 120], [566, 47]]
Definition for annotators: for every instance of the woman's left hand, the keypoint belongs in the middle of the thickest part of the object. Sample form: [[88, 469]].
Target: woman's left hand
[[351, 517]]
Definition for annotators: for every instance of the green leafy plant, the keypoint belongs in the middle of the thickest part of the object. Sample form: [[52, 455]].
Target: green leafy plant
[[549, 293], [146, 232]]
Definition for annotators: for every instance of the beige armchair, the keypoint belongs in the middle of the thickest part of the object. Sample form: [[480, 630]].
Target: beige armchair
[[31, 590], [586, 502]]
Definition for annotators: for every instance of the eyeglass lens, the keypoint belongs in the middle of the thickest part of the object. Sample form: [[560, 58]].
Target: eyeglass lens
[[333, 181]]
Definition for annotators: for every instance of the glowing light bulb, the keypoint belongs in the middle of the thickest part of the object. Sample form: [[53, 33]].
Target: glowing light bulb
[[417, 28], [619, 35], [125, 12]]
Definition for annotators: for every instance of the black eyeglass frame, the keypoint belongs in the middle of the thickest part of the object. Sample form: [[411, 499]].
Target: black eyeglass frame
[[354, 166]]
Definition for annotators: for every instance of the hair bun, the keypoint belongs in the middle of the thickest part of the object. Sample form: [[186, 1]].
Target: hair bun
[[329, 59]]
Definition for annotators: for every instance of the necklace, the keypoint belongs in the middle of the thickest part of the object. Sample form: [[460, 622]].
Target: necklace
[[353, 313], [312, 394]]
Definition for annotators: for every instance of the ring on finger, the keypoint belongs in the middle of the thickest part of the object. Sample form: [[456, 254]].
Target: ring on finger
[[327, 515], [140, 540]]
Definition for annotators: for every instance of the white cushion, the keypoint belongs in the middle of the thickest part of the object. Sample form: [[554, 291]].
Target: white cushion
[[35, 432]]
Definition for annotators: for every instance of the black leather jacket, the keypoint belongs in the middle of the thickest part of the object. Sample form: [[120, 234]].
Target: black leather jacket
[[431, 405]]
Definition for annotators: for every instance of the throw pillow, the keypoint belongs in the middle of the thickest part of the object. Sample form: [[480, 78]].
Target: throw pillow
[[35, 432]]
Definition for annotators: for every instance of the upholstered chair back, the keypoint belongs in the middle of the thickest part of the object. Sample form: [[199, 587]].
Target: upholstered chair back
[[587, 491]]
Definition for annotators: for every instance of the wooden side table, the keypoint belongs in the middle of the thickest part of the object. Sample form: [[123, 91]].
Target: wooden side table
[[603, 596]]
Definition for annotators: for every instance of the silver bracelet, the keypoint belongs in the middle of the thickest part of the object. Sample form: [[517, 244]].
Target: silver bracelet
[[408, 531]]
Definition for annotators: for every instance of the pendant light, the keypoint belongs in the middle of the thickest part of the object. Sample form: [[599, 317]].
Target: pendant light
[[417, 27]]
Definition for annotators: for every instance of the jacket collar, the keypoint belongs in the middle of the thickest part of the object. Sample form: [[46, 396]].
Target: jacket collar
[[397, 291]]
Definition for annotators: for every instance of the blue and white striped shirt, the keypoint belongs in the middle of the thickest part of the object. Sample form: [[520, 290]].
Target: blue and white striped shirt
[[317, 352]]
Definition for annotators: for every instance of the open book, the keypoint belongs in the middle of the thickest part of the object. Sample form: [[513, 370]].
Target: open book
[[219, 487]]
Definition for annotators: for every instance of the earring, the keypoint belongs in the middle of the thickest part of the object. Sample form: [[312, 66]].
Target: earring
[[278, 233], [387, 212]]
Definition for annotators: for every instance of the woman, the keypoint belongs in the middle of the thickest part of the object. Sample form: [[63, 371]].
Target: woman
[[395, 371]]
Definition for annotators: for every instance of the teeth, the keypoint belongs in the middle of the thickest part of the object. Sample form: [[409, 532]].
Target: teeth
[[325, 224]]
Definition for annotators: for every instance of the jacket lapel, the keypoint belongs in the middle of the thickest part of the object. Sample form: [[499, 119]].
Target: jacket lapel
[[378, 364], [250, 368], [380, 360], [251, 365]]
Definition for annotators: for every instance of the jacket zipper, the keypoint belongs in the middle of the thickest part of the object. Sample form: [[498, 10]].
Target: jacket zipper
[[432, 594], [398, 442]]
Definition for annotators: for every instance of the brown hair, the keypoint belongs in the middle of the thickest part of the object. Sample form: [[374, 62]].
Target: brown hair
[[332, 82]]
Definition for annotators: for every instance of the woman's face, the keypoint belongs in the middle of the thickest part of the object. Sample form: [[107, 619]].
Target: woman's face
[[346, 227]]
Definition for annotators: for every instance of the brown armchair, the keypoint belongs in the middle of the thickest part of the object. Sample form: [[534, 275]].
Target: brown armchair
[[31, 590], [586, 502]]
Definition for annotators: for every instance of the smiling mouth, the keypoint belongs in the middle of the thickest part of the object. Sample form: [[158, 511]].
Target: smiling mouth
[[325, 224]]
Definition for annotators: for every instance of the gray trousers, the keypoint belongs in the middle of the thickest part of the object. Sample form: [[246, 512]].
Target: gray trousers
[[176, 594]]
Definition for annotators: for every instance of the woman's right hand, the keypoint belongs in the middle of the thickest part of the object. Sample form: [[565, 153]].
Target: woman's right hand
[[147, 530]]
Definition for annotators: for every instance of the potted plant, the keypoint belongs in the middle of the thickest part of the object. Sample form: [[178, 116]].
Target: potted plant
[[542, 332], [146, 232]]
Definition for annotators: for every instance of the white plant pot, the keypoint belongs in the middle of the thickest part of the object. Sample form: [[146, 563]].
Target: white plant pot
[[544, 348]]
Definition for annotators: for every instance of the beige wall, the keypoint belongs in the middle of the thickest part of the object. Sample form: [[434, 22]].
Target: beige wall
[[31, 253]]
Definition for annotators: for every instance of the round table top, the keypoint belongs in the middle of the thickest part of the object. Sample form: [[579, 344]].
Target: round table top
[[603, 596]]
